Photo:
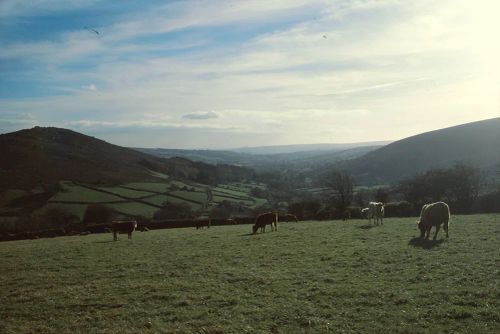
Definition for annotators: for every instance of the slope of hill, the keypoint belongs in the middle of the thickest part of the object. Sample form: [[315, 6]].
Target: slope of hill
[[259, 161], [476, 143], [283, 149], [47, 155]]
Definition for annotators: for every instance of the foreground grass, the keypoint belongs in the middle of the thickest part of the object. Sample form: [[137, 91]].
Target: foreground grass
[[307, 277]]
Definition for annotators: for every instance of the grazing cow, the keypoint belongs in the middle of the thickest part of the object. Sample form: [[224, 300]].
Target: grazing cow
[[365, 212], [434, 214], [376, 211], [123, 226], [203, 222], [268, 218]]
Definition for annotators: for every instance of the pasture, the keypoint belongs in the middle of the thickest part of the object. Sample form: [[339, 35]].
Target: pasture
[[308, 277], [142, 198]]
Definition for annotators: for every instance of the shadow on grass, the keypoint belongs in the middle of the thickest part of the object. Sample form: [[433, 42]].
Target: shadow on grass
[[424, 243], [367, 227], [248, 234], [104, 241]]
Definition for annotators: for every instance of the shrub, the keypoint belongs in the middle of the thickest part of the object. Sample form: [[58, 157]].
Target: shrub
[[97, 214], [399, 209], [174, 211]]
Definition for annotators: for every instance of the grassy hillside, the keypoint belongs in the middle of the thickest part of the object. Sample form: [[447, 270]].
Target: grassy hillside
[[41, 156], [47, 155], [145, 198], [309, 277], [476, 143]]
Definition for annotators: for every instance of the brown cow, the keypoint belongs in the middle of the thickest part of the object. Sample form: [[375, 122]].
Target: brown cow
[[203, 222], [123, 226], [268, 218]]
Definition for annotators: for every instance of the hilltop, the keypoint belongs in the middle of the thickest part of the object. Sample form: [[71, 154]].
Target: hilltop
[[475, 143], [45, 155]]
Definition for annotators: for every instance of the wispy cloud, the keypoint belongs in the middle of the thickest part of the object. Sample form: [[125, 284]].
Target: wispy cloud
[[201, 115], [265, 67]]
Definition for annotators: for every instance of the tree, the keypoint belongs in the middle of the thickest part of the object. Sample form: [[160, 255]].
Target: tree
[[97, 214], [381, 195], [171, 210], [459, 186], [342, 186]]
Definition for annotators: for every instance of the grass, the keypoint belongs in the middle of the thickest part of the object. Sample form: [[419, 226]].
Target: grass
[[160, 199], [132, 198], [309, 277], [74, 193], [155, 187], [127, 192], [134, 208]]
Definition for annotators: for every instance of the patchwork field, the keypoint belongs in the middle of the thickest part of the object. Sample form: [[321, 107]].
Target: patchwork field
[[142, 198], [308, 277]]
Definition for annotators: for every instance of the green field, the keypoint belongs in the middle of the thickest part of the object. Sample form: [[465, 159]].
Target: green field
[[75, 193], [133, 198], [308, 277]]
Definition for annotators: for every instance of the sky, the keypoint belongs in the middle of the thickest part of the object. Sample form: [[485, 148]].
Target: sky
[[223, 74]]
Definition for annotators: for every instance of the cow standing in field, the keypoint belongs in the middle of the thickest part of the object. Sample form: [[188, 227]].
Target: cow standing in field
[[376, 211], [203, 222], [268, 218], [434, 214], [123, 226]]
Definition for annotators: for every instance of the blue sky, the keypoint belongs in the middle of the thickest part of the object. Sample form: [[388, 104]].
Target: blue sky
[[222, 74]]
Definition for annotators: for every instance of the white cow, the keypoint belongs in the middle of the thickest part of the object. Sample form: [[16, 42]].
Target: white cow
[[376, 211], [434, 214]]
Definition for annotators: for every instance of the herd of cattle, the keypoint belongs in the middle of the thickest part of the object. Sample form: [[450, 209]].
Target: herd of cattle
[[431, 215]]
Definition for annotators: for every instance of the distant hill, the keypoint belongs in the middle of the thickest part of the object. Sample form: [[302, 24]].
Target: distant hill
[[477, 143], [47, 155], [259, 161], [281, 149]]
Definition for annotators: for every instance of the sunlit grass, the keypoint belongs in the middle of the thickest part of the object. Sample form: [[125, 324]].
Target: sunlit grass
[[307, 277]]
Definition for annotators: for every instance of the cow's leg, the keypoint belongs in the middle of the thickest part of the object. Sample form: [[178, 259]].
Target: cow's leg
[[428, 232], [381, 220], [130, 235], [115, 235], [445, 227], [437, 230]]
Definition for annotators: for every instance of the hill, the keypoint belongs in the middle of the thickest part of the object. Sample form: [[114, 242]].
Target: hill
[[298, 159], [475, 143], [281, 149], [41, 155]]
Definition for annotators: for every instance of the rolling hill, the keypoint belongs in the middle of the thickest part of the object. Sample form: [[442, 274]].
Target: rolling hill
[[48, 155], [259, 161], [329, 147], [476, 143]]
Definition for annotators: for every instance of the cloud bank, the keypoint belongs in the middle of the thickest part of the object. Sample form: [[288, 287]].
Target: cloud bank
[[387, 69]]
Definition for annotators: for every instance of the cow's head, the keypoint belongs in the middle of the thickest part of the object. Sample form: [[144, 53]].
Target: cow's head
[[421, 227], [255, 228]]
